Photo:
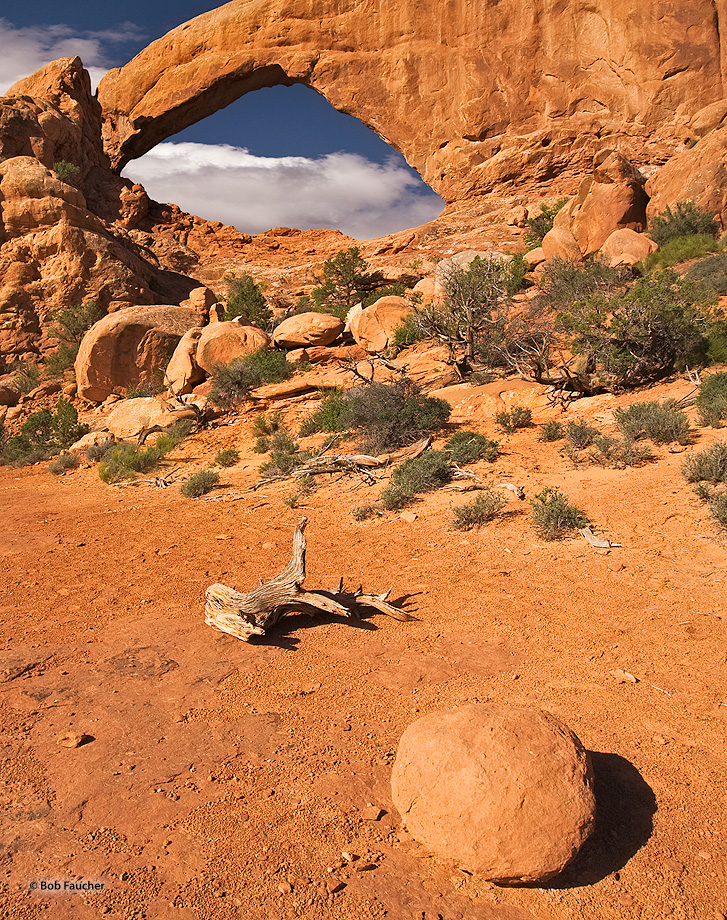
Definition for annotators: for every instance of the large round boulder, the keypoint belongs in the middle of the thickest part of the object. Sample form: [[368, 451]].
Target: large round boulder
[[129, 347], [221, 343], [307, 329], [373, 328], [183, 373], [503, 792], [627, 247]]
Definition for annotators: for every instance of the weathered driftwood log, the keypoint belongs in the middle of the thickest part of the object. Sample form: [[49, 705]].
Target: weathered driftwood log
[[245, 615]]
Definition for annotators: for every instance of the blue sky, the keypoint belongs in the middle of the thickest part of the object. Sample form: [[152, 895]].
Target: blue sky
[[277, 157]]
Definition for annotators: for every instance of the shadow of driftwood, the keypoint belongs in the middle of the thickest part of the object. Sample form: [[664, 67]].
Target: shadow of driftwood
[[625, 805]]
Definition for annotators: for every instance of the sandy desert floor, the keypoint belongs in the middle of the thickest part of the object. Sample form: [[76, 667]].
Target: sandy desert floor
[[227, 780]]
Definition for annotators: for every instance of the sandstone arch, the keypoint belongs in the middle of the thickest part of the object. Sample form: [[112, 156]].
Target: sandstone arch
[[472, 92]]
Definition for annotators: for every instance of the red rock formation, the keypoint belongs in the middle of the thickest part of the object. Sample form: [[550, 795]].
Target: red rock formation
[[473, 94]]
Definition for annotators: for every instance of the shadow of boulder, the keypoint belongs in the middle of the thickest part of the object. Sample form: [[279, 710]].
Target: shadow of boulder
[[625, 805]]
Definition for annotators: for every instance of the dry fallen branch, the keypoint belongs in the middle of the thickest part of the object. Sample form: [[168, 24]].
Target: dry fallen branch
[[245, 615]]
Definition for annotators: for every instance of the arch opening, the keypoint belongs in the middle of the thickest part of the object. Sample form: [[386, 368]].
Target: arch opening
[[284, 156]]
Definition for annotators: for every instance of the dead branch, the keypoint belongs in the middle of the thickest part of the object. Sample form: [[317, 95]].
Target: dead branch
[[253, 614]]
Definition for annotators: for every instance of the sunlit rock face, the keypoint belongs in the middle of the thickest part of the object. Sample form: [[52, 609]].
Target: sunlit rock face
[[473, 94]]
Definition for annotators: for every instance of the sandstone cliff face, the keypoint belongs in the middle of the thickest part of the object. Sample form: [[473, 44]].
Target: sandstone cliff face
[[473, 93]]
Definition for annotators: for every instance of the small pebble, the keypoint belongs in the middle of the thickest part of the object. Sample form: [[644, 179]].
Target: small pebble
[[71, 740]]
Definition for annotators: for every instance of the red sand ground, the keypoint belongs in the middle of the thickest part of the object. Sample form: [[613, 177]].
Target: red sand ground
[[226, 780]]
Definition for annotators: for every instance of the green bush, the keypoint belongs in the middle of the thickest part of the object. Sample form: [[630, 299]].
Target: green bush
[[395, 289], [232, 382], [712, 400], [364, 512], [68, 327], [27, 377], [654, 328], [469, 446], [227, 457], [66, 172], [516, 417], [245, 298], [661, 423], [681, 249], [420, 474], [486, 506], [551, 431], [563, 283], [346, 281], [542, 223], [268, 423], [64, 463], [95, 452], [717, 341], [44, 434], [580, 434], [385, 415], [708, 465], [687, 220], [408, 332], [718, 508], [711, 273], [553, 516], [124, 461], [199, 483], [610, 451]]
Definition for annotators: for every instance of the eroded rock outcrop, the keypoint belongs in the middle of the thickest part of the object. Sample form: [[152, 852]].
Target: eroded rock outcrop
[[305, 329], [128, 347]]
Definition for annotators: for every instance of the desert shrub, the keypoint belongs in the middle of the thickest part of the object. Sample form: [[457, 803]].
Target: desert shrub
[[328, 416], [245, 298], [657, 326], [44, 434], [95, 452], [610, 451], [63, 463], [199, 483], [509, 420], [232, 382], [551, 431], [261, 445], [662, 423], [364, 512], [553, 516], [408, 332], [563, 283], [227, 457], [68, 327], [469, 446], [472, 297], [27, 377], [392, 498], [517, 268], [424, 473], [346, 281], [712, 400], [485, 507], [708, 465], [146, 388], [711, 273], [580, 434], [66, 172], [385, 415], [124, 461], [718, 508], [688, 219], [681, 249], [395, 289], [542, 223], [268, 423]]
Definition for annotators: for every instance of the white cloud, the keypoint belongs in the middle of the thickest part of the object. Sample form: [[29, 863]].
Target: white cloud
[[341, 190], [26, 49]]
